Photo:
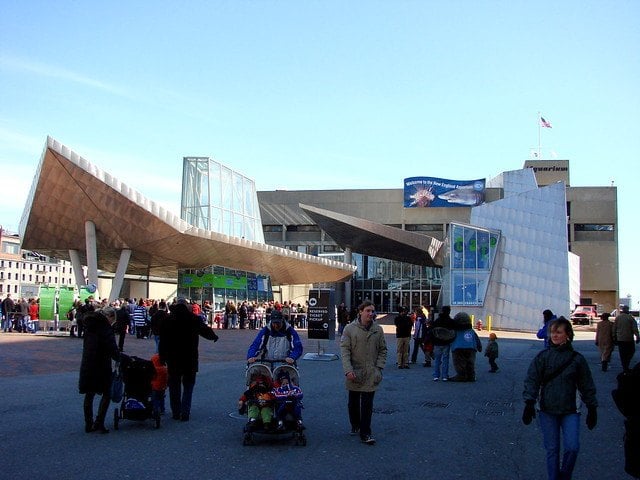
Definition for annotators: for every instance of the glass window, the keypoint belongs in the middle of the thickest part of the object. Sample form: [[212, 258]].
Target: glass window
[[593, 227]]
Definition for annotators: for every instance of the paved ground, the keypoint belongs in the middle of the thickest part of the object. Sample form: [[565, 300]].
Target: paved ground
[[424, 429]]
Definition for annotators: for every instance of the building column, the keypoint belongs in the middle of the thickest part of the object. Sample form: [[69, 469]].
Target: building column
[[347, 285], [77, 268], [118, 280], [92, 251]]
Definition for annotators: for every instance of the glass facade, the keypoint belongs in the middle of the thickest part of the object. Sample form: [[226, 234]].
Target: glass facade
[[390, 284], [472, 253], [216, 198], [221, 200]]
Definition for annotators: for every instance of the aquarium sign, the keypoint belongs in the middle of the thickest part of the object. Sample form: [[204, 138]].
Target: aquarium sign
[[440, 192]]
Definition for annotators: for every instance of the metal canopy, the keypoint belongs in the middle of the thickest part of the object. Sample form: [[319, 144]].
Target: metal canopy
[[375, 239], [68, 190]]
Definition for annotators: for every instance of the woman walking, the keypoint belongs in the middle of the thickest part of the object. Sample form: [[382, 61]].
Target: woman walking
[[555, 375], [98, 349]]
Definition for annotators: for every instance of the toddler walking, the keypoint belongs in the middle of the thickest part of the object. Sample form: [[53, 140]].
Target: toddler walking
[[491, 352]]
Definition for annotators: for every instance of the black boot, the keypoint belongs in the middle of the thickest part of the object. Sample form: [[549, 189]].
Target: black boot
[[99, 427]]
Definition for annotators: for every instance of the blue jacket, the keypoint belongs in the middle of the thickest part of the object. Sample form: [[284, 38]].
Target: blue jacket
[[295, 344], [466, 339]]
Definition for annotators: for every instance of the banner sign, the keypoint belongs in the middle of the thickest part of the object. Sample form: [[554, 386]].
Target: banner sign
[[440, 192], [66, 297], [321, 317], [213, 280], [47, 303]]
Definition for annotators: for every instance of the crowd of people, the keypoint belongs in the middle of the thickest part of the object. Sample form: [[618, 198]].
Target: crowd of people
[[19, 315], [556, 377]]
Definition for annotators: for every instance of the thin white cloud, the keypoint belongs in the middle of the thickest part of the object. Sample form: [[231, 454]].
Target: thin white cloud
[[52, 71]]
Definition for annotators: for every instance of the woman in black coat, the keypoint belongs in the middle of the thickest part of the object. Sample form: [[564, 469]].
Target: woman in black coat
[[98, 350]]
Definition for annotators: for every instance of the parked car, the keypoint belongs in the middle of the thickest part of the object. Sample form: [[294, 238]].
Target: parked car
[[584, 314]]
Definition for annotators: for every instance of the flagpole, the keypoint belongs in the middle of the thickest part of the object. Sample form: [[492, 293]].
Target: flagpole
[[539, 128]]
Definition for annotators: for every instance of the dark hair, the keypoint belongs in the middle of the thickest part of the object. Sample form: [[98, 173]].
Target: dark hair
[[561, 321], [446, 310], [365, 304]]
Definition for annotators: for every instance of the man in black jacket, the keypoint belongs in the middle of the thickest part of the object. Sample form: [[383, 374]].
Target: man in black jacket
[[178, 348]]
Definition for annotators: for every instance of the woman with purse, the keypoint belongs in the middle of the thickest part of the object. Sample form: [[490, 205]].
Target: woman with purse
[[98, 349], [554, 377]]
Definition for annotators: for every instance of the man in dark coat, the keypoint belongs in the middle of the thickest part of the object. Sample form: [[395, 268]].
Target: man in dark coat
[[178, 348], [98, 349]]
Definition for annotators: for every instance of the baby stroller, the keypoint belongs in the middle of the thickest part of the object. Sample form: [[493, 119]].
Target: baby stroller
[[287, 423], [136, 402]]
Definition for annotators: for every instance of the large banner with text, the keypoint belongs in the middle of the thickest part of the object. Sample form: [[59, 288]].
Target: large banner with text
[[440, 192]]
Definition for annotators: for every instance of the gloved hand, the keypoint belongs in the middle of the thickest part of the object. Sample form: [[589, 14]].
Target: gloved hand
[[592, 418], [529, 412]]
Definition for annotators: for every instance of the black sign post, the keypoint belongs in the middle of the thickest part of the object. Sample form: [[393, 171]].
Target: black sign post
[[321, 320]]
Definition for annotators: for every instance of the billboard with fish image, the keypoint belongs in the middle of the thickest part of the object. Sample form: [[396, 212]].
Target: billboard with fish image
[[440, 192]]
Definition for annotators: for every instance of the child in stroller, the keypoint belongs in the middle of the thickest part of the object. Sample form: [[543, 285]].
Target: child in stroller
[[288, 398], [265, 400], [136, 404], [257, 400]]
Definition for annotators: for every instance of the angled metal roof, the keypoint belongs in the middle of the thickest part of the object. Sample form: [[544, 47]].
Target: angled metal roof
[[68, 190], [376, 239]]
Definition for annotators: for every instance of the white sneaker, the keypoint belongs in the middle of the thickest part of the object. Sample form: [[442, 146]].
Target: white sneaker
[[435, 379], [445, 379]]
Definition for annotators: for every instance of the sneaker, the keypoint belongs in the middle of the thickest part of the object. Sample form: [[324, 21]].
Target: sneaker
[[354, 431], [280, 425], [445, 379], [368, 439], [435, 379]]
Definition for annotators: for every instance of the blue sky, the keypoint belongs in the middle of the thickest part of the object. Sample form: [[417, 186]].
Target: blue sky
[[320, 95]]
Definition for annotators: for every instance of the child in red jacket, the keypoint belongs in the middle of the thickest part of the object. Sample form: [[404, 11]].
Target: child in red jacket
[[158, 385]]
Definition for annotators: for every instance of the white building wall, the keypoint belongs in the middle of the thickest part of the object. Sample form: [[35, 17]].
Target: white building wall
[[531, 272]]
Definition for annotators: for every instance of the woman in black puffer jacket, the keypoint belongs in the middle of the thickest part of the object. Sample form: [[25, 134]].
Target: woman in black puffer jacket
[[98, 350]]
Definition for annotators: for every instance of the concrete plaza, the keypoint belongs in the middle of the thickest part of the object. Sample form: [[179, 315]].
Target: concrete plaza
[[424, 429]]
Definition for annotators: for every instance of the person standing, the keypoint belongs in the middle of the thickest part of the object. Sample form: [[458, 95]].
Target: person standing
[[625, 329], [403, 337], [491, 351], [543, 333], [276, 341], [7, 312], [554, 377], [442, 346], [123, 320], [419, 327], [364, 355], [464, 348], [604, 340], [98, 349], [178, 348]]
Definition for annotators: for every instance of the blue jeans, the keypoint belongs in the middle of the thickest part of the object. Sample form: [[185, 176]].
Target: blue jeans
[[551, 425], [441, 365]]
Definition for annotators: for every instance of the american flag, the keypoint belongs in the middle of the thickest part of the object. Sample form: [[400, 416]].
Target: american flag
[[544, 123]]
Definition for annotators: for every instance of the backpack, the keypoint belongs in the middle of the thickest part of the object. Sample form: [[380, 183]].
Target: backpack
[[443, 334], [627, 395]]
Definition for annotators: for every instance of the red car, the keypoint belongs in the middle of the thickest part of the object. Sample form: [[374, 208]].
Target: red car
[[584, 315]]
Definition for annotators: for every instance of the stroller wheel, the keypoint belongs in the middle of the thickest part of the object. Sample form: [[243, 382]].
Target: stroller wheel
[[116, 418]]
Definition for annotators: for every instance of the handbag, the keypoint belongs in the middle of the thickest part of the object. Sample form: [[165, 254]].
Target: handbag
[[117, 385]]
